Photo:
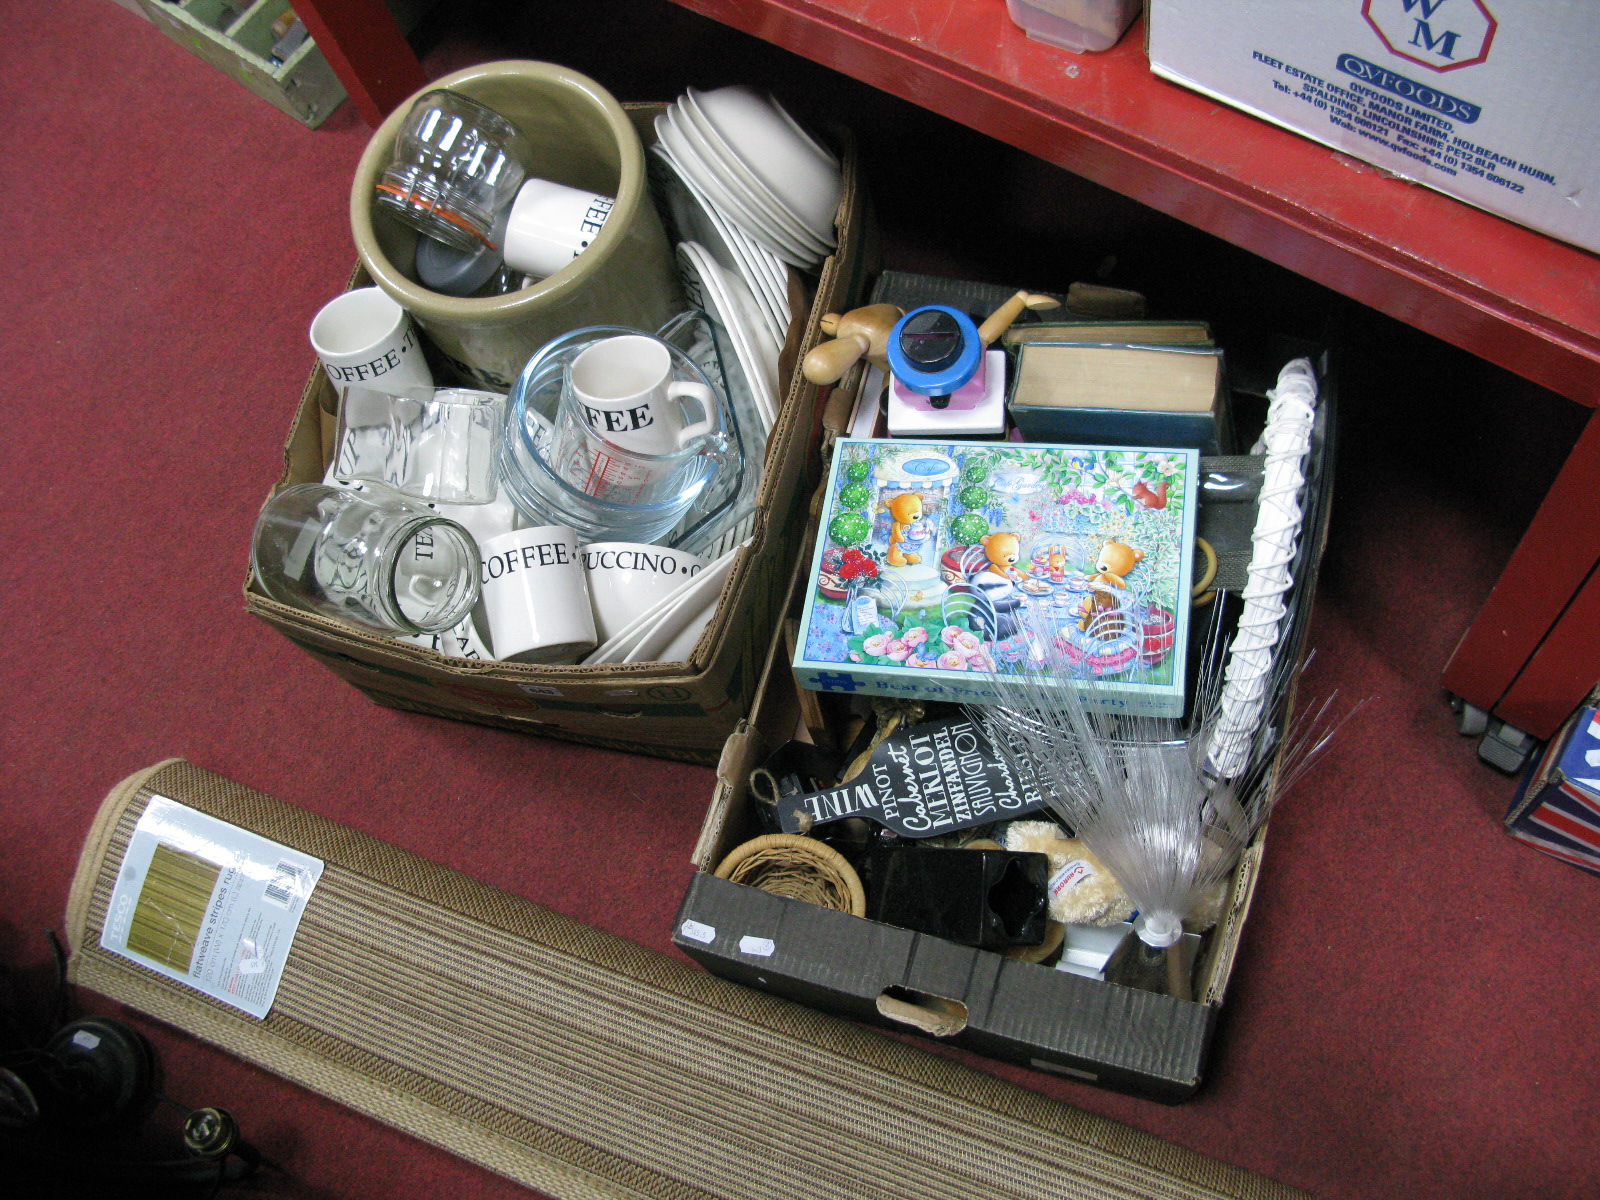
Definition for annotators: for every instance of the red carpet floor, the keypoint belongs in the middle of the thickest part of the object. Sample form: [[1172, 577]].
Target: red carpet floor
[[1414, 1013]]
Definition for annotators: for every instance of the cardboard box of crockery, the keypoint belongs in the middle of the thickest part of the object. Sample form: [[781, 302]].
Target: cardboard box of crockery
[[682, 710], [1049, 1018]]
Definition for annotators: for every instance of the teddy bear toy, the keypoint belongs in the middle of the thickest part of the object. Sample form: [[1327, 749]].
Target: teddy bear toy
[[1084, 892], [1115, 564]]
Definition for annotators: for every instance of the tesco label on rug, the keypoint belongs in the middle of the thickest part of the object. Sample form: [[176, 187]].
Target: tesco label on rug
[[1491, 101]]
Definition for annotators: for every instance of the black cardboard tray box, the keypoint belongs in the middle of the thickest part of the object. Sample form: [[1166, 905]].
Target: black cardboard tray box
[[672, 710], [1052, 1021]]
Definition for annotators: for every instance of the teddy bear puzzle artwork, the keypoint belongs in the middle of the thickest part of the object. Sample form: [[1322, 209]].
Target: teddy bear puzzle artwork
[[940, 564]]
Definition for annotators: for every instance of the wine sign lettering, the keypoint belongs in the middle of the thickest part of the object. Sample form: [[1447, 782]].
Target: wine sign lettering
[[929, 779]]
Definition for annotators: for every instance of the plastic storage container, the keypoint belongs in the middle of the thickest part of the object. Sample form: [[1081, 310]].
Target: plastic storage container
[[1075, 24]]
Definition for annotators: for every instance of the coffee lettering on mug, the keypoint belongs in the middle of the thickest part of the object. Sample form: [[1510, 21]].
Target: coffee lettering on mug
[[618, 422], [382, 365], [545, 554], [594, 220]]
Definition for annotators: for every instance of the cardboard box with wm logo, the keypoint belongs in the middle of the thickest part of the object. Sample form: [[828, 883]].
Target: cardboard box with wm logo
[[1490, 101]]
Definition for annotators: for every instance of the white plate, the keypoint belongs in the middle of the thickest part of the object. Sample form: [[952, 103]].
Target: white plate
[[724, 98], [683, 645], [803, 202], [737, 299], [753, 277], [707, 295], [772, 273], [719, 158], [760, 348], [699, 221], [710, 289], [698, 600], [742, 213], [736, 173], [628, 639], [772, 146], [694, 168]]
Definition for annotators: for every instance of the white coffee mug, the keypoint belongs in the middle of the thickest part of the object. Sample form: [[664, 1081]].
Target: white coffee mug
[[626, 579], [627, 395], [551, 224], [364, 337], [535, 596]]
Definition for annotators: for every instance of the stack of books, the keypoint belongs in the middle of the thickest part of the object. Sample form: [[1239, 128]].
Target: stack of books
[[1120, 383]]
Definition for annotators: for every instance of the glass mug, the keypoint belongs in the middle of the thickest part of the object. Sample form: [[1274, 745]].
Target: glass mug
[[562, 465], [625, 432], [456, 166], [437, 444], [367, 554]]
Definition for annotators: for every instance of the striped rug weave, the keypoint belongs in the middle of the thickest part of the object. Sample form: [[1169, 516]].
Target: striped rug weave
[[590, 1068]]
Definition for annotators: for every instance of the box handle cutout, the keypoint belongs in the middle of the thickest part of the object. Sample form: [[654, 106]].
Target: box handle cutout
[[935, 1015]]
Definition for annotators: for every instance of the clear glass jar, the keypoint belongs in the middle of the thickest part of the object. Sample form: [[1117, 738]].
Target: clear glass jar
[[456, 166], [367, 554], [548, 453]]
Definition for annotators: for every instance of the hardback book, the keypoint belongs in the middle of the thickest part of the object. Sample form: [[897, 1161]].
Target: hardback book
[[1105, 394], [1112, 333]]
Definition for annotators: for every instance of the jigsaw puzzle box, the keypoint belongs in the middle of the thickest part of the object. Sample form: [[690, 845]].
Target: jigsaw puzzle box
[[941, 564]]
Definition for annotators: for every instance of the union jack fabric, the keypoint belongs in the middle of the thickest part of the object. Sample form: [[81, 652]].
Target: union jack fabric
[[1557, 806]]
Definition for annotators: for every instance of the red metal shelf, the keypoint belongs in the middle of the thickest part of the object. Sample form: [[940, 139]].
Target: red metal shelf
[[1512, 296]]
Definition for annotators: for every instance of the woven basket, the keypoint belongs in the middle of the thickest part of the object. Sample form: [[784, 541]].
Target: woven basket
[[800, 868]]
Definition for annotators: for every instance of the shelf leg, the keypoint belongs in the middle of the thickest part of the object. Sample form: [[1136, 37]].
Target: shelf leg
[[363, 44], [1539, 595]]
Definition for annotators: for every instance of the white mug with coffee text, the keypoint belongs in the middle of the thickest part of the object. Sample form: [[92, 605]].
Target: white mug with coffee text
[[535, 596], [627, 578], [365, 337], [628, 396], [550, 224]]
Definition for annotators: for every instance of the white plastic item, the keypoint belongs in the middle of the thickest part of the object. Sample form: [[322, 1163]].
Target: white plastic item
[[1075, 24]]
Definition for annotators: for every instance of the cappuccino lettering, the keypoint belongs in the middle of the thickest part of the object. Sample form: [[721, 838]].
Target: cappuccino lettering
[[637, 560]]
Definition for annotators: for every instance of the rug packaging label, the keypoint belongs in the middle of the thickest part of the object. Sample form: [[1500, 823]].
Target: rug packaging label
[[208, 904], [939, 564]]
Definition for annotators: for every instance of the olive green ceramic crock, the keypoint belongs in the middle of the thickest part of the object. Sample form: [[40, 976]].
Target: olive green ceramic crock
[[580, 136]]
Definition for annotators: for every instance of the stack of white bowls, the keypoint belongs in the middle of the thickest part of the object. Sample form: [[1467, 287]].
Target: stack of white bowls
[[752, 195], [760, 169]]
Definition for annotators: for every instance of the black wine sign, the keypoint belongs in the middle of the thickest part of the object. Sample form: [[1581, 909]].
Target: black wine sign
[[925, 780]]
